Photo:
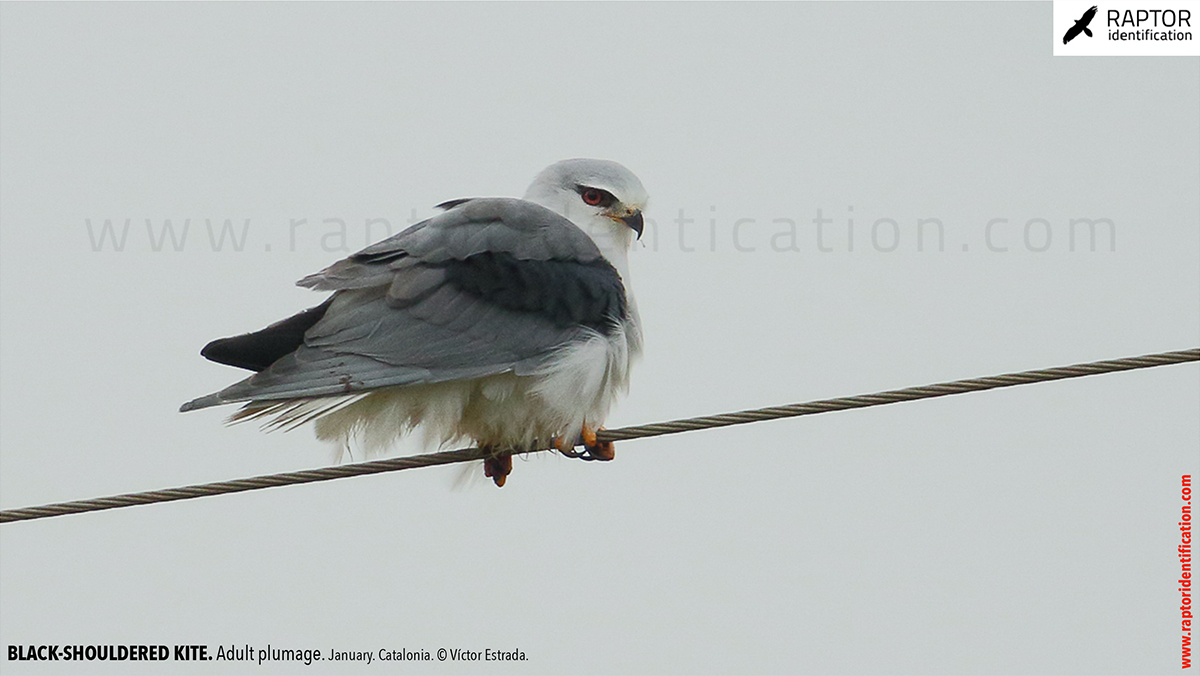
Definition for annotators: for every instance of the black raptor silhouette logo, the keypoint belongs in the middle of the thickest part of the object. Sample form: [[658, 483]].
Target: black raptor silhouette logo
[[1081, 26]]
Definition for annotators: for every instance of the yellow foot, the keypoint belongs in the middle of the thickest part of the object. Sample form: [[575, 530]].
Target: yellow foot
[[599, 450], [593, 448], [498, 467]]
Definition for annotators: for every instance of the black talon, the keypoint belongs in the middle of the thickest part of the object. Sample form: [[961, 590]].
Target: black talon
[[589, 453]]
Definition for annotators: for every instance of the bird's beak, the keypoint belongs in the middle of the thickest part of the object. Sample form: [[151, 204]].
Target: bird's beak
[[635, 222]]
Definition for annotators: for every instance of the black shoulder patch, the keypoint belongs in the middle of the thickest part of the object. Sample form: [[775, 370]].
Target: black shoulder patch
[[565, 292], [256, 351]]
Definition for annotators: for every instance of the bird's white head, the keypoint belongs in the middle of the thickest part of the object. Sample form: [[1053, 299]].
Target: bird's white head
[[602, 197]]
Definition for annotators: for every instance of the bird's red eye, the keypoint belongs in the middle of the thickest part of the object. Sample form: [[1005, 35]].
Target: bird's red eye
[[592, 196]]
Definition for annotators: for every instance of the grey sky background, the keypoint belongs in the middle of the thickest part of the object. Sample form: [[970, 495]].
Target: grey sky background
[[1030, 530]]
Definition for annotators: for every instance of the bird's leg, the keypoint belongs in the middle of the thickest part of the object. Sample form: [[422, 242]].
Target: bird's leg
[[593, 448], [498, 467]]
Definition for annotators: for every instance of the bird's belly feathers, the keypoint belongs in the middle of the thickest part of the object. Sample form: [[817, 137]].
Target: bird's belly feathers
[[575, 385]]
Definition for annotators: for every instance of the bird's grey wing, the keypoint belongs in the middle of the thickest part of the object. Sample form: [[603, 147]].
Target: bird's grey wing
[[448, 299], [523, 229]]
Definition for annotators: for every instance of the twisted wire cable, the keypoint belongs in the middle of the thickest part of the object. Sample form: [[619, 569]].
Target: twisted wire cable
[[619, 434]]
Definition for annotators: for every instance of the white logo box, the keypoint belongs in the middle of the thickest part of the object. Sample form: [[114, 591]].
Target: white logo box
[[1129, 28]]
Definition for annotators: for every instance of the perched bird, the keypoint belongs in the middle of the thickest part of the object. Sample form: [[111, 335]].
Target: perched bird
[[506, 322]]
